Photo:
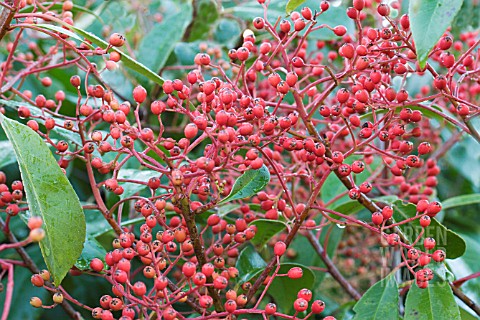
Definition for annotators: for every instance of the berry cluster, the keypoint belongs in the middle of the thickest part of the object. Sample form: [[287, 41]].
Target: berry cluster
[[303, 109]]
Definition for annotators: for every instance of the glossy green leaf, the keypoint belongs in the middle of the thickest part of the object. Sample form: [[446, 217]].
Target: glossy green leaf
[[186, 52], [51, 197], [91, 249], [266, 229], [249, 263], [58, 29], [292, 5], [283, 289], [446, 239], [248, 10], [465, 315], [459, 201], [156, 46], [248, 184], [436, 302], [333, 17], [467, 265], [227, 32], [440, 269], [429, 19], [207, 15], [222, 211], [380, 301], [7, 156], [130, 188]]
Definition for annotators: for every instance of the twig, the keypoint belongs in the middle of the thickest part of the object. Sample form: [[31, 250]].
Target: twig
[[469, 302], [6, 17], [189, 216], [30, 264], [332, 269]]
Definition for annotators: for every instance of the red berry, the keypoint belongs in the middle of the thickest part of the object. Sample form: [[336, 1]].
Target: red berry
[[280, 248], [425, 221], [190, 130], [438, 256], [258, 23], [318, 306], [340, 31], [305, 294], [300, 305], [270, 308], [139, 94], [433, 208], [429, 243], [383, 9], [424, 260], [96, 265], [359, 4], [324, 5], [116, 40], [377, 218], [413, 254], [295, 273]]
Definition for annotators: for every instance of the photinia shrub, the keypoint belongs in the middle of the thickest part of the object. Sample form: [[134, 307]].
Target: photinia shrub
[[239, 159]]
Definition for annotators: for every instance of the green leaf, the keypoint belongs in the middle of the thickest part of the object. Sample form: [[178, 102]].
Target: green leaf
[[249, 264], [156, 46], [266, 229], [333, 17], [91, 249], [186, 52], [7, 156], [282, 288], [207, 15], [292, 5], [130, 188], [58, 29], [436, 302], [429, 19], [222, 211], [440, 269], [380, 301], [465, 315], [248, 184], [227, 32], [446, 239], [467, 265], [462, 200], [248, 10], [51, 197], [128, 61]]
